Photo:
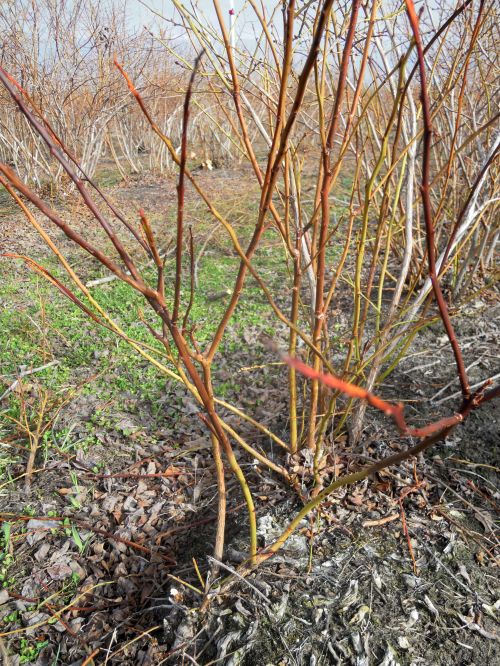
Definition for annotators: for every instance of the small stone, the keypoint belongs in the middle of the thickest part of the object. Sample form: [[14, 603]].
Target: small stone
[[59, 627], [403, 643], [411, 582], [37, 529], [42, 552], [296, 546], [413, 617]]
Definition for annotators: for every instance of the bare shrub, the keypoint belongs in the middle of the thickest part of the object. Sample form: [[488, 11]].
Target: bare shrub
[[374, 146]]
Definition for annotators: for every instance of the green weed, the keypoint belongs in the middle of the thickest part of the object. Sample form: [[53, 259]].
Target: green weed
[[6, 556], [29, 650]]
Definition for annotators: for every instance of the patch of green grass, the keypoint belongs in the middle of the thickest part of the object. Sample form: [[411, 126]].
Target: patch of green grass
[[6, 557], [38, 324], [108, 176], [78, 342], [30, 649]]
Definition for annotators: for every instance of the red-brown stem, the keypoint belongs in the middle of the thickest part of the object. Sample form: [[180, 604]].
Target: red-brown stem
[[285, 73], [320, 313], [407, 536], [181, 191], [272, 174], [427, 206], [459, 10], [396, 412], [192, 260]]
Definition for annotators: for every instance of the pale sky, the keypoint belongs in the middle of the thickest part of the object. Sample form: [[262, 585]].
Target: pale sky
[[247, 25], [245, 19]]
